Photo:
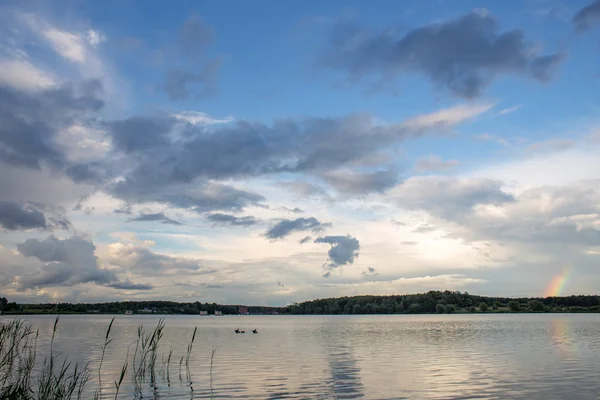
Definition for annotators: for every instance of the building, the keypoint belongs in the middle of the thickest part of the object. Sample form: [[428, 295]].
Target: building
[[203, 313], [243, 310], [218, 313]]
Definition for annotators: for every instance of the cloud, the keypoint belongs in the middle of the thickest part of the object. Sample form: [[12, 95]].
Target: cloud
[[448, 197], [361, 183], [462, 55], [195, 36], [343, 251], [304, 189], [15, 216], [243, 149], [551, 146], [231, 220], [22, 75], [200, 118], [30, 122], [285, 227], [32, 215], [487, 137], [435, 163], [140, 260], [509, 110], [128, 285], [137, 134], [306, 239], [447, 117], [425, 229], [585, 18], [203, 198], [159, 217], [67, 262], [370, 271], [197, 80], [181, 84], [67, 44]]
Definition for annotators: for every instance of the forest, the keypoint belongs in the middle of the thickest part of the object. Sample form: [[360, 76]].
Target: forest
[[441, 302]]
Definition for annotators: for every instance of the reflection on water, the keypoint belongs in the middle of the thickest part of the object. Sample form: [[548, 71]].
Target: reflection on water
[[538, 356]]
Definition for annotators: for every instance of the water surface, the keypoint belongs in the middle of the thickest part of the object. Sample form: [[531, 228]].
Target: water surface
[[532, 356]]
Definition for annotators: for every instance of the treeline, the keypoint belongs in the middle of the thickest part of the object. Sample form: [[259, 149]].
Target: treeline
[[137, 307], [444, 302]]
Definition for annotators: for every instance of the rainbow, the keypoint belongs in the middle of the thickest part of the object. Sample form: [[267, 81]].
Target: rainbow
[[558, 283]]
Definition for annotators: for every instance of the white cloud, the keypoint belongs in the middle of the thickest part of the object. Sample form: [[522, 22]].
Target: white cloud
[[23, 75], [94, 38], [509, 110], [448, 117], [69, 45], [200, 118]]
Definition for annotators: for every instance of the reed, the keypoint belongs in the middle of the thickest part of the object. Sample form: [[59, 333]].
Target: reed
[[23, 376]]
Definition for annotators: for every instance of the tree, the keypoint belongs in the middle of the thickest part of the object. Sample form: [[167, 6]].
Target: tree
[[472, 309], [449, 308], [483, 307], [497, 304], [439, 308], [414, 308], [536, 306], [514, 305]]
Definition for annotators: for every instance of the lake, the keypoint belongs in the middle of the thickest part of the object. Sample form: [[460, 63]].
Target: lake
[[532, 356]]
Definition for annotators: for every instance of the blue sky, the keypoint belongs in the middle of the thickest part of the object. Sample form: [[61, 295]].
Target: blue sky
[[272, 152]]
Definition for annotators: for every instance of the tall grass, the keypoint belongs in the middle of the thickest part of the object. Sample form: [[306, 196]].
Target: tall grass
[[24, 377], [19, 378]]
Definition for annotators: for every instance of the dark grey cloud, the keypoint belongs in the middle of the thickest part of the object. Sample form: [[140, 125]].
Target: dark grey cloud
[[158, 217], [67, 262], [195, 154], [30, 122], [14, 216], [343, 251], [32, 215], [245, 149], [362, 183], [231, 220], [462, 55], [306, 239], [371, 271], [200, 199], [287, 226], [195, 36], [181, 84], [137, 134], [128, 285], [585, 18]]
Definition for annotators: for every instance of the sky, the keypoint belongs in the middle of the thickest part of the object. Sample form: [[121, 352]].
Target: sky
[[275, 152]]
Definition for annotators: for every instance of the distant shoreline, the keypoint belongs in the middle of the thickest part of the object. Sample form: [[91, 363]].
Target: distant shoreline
[[432, 302]]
